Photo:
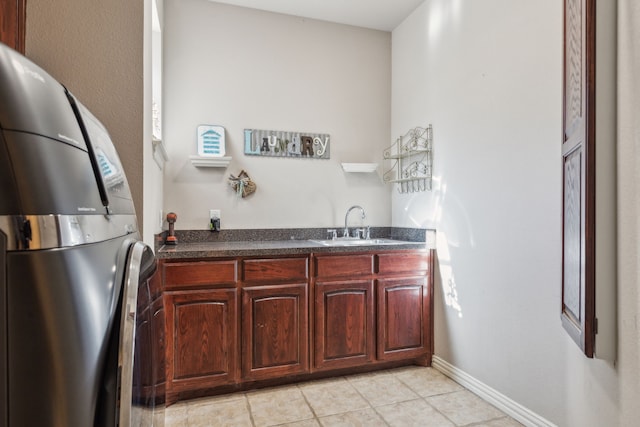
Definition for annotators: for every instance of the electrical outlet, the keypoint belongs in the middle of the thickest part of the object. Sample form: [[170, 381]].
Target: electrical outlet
[[214, 220]]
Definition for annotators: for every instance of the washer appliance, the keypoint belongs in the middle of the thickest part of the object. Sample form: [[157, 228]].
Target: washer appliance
[[71, 261]]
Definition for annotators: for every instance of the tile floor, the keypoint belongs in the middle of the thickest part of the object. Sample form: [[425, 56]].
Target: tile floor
[[403, 397]]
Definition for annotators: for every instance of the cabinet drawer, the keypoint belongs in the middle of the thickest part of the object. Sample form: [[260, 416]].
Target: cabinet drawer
[[344, 265], [198, 274], [275, 270], [415, 263]]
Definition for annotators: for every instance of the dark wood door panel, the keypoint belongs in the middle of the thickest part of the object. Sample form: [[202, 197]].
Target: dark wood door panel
[[185, 275], [403, 262], [344, 324], [203, 339], [352, 265], [274, 331], [403, 318], [275, 270]]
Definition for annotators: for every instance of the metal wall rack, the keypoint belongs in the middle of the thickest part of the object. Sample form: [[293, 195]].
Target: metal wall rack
[[411, 159]]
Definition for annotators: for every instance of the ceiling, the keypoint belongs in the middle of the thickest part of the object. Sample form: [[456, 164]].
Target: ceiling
[[382, 15]]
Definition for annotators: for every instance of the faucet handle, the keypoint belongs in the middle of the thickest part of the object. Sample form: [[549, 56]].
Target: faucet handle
[[333, 233]]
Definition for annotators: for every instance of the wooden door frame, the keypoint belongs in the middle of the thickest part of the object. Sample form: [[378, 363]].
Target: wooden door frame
[[14, 17]]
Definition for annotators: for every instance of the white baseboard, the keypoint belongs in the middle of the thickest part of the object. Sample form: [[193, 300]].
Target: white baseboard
[[497, 399]]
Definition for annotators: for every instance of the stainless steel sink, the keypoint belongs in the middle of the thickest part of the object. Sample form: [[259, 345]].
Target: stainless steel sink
[[359, 242]]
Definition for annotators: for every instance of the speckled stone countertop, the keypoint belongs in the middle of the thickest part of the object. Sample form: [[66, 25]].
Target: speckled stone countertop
[[274, 242]]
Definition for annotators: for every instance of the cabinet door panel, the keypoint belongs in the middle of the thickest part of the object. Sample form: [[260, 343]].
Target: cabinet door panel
[[403, 318], [275, 270], [203, 338], [407, 263], [344, 324], [274, 331], [181, 275], [346, 266]]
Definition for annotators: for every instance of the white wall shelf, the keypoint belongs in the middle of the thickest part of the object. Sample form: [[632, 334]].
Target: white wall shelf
[[210, 162], [411, 160], [160, 155], [359, 167]]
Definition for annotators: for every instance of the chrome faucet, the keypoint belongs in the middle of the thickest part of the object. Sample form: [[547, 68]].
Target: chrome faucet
[[346, 217]]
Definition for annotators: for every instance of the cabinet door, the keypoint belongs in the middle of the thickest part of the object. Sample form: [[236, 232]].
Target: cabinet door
[[344, 325], [404, 323], [202, 344], [274, 331]]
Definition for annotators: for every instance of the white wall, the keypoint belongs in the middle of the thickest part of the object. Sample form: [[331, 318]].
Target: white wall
[[488, 76], [628, 210], [242, 68]]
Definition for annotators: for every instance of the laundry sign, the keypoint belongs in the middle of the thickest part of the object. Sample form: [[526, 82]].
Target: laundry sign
[[273, 143], [211, 141]]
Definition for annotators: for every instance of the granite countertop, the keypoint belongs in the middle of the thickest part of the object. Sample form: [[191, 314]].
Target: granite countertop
[[232, 243]]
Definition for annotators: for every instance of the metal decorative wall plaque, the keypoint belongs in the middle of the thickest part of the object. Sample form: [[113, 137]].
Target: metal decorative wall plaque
[[275, 143]]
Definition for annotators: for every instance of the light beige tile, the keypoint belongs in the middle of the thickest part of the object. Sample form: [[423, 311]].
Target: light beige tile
[[334, 396], [141, 416], [305, 423], [278, 406], [159, 417], [361, 418], [214, 399], [413, 413], [500, 422], [347, 401], [224, 411], [374, 374], [382, 390], [464, 407], [176, 415], [427, 381]]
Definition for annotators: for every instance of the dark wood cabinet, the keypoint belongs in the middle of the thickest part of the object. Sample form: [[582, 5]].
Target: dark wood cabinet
[[233, 323], [201, 339], [344, 324], [357, 323], [405, 306], [201, 318], [403, 318], [275, 314], [274, 331]]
